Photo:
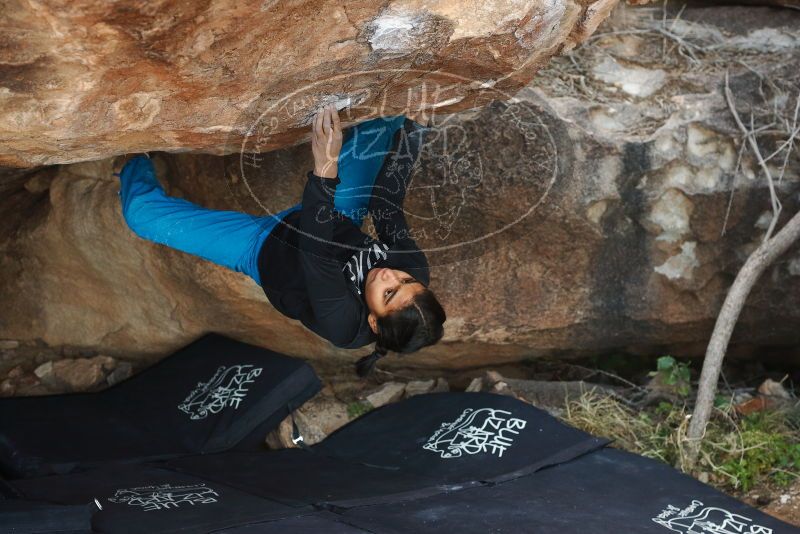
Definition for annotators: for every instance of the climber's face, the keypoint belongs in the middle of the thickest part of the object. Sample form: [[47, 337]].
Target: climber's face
[[387, 290]]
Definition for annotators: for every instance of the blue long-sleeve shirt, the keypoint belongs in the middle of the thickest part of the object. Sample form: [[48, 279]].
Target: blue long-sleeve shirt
[[314, 262]]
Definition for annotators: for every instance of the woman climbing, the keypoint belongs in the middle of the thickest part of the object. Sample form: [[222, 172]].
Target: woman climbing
[[312, 260]]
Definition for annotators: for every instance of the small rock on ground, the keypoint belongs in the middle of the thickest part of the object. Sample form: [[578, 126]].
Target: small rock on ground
[[76, 374], [419, 387], [121, 372], [442, 386], [388, 392], [771, 388], [22, 383], [316, 419], [475, 385]]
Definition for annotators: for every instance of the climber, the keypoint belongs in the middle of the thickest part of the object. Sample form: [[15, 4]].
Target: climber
[[312, 260]]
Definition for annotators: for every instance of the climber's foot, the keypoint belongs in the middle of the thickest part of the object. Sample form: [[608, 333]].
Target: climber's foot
[[120, 161]]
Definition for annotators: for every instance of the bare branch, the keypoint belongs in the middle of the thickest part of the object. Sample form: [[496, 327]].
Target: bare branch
[[750, 136], [792, 135], [759, 260], [733, 186], [755, 265]]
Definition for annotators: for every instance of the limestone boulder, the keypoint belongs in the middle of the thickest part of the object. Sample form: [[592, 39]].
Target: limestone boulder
[[87, 79], [607, 207]]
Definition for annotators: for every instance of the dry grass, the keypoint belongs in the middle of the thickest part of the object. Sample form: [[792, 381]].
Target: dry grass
[[737, 453]]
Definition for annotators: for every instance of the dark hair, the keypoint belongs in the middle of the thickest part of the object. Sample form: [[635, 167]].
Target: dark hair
[[407, 330]]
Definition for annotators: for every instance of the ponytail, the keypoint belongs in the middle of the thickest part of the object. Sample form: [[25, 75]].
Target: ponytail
[[364, 365]]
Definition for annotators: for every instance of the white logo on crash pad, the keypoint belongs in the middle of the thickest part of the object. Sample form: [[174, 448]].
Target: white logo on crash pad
[[227, 388], [699, 519], [482, 430], [165, 496]]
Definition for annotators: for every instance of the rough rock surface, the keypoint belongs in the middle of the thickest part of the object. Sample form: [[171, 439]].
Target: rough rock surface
[[79, 374], [86, 79], [586, 217], [59, 375], [420, 387], [388, 392], [315, 420]]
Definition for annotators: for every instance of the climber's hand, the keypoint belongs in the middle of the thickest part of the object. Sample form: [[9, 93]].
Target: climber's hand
[[326, 142]]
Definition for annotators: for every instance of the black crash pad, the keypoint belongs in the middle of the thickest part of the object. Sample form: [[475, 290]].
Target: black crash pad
[[459, 437], [298, 477], [215, 394], [28, 517], [462, 462], [422, 446], [314, 523], [607, 491], [137, 498], [472, 438]]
